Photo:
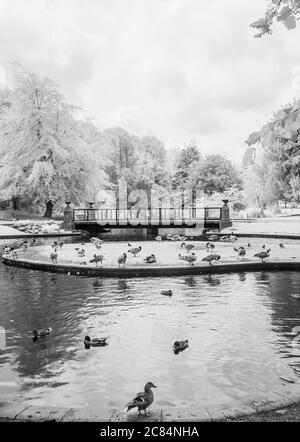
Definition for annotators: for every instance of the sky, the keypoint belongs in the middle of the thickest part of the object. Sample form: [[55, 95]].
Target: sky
[[175, 69]]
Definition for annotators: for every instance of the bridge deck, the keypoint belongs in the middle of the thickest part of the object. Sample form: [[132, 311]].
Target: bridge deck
[[146, 217]]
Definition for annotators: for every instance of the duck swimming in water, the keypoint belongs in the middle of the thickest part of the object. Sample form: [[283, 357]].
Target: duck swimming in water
[[41, 333], [142, 400], [166, 292], [180, 346], [95, 342]]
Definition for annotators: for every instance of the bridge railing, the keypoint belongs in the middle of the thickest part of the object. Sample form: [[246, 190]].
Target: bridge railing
[[147, 216]]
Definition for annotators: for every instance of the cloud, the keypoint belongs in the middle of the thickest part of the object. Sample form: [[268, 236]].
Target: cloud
[[170, 68]]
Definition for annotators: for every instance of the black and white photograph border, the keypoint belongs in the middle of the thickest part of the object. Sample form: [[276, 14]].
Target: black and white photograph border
[[149, 213]]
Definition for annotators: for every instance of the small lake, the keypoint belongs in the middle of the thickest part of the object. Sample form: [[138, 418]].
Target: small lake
[[238, 325]]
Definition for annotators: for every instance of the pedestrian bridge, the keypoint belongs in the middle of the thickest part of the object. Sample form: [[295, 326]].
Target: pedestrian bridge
[[94, 220]]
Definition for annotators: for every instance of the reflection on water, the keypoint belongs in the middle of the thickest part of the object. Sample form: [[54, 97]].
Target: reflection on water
[[238, 325]]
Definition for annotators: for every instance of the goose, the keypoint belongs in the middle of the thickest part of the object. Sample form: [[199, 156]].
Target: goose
[[240, 251], [187, 246], [95, 342], [262, 255], [281, 245], [150, 259], [166, 292], [98, 244], [135, 250], [233, 238], [159, 238], [96, 259], [142, 400], [180, 346], [122, 260], [81, 253], [209, 246], [188, 258], [211, 258], [61, 244], [53, 257]]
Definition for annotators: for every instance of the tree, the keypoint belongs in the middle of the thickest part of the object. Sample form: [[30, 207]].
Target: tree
[[151, 167], [41, 144], [217, 174], [188, 162], [279, 142], [284, 11]]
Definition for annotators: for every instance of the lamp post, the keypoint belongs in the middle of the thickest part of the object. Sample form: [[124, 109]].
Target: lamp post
[[68, 223]]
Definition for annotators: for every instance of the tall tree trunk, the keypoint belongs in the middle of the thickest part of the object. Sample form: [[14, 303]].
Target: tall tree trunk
[[16, 203], [261, 208], [49, 208]]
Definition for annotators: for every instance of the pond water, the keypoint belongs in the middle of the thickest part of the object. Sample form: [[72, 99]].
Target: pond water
[[238, 325]]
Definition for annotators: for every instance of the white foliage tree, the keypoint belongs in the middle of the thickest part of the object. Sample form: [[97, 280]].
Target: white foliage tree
[[43, 147]]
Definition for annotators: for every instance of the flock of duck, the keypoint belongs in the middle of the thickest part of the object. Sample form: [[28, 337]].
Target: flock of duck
[[144, 399], [188, 254]]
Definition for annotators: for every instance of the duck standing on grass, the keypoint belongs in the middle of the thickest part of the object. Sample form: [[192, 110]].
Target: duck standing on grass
[[135, 250], [53, 257], [54, 245], [225, 238], [150, 259], [187, 247], [211, 258], [188, 258], [241, 252], [263, 255], [122, 260], [209, 246], [233, 238], [96, 259], [81, 253], [142, 400]]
